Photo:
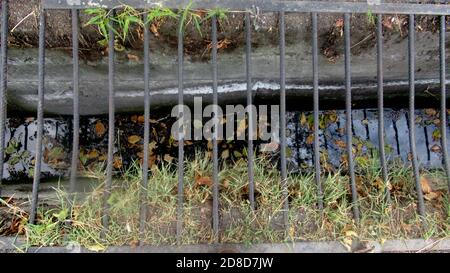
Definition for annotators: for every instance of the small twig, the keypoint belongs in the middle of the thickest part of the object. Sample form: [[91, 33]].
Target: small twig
[[21, 21], [363, 40], [429, 246]]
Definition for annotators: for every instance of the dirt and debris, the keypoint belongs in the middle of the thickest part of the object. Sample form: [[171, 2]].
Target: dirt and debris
[[24, 14]]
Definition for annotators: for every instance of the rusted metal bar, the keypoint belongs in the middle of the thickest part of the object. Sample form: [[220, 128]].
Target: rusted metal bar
[[411, 114], [248, 73], [3, 84], [40, 118], [284, 182], [111, 119], [180, 194], [384, 170], [348, 115], [315, 69], [443, 99], [215, 213], [144, 186], [76, 107]]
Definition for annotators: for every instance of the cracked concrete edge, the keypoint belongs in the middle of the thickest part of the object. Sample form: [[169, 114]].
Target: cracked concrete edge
[[11, 244]]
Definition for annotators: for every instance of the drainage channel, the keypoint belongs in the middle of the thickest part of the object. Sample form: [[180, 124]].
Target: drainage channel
[[21, 137]]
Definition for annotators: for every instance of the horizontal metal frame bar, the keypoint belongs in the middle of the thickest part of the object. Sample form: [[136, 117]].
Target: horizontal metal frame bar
[[264, 5]]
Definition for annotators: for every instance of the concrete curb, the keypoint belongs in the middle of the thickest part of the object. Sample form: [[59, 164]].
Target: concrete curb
[[10, 244]]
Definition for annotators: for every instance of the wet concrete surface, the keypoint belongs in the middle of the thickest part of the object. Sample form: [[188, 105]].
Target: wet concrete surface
[[21, 134]]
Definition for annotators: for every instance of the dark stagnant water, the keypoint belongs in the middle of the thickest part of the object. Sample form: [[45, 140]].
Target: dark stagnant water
[[21, 138]]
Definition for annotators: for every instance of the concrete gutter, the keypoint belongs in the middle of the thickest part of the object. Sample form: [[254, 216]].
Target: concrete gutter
[[23, 67], [9, 244], [23, 81]]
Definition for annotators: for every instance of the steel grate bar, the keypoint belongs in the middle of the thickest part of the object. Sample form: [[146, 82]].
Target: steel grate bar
[[40, 118], [109, 168], [315, 69], [144, 186], [180, 196], [3, 84], [76, 107], [442, 29], [348, 116], [380, 105], [284, 186], [411, 121], [215, 133], [248, 74]]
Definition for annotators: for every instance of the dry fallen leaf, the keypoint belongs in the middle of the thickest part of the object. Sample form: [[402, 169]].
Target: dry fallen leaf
[[339, 23], [168, 158], [378, 183], [132, 57], [303, 120], [203, 180], [134, 139], [92, 154], [341, 144], [117, 164], [99, 129], [310, 139], [225, 154], [430, 196], [435, 148], [426, 188], [152, 145], [154, 30]]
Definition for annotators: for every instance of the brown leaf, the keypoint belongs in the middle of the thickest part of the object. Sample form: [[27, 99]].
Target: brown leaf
[[310, 139], [341, 144], [432, 195], [303, 119], [99, 128], [426, 188], [152, 145], [339, 23], [134, 139], [132, 57], [117, 164], [168, 158], [387, 23], [435, 148], [154, 30], [92, 154], [225, 154], [378, 183], [222, 44], [410, 156], [203, 180]]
